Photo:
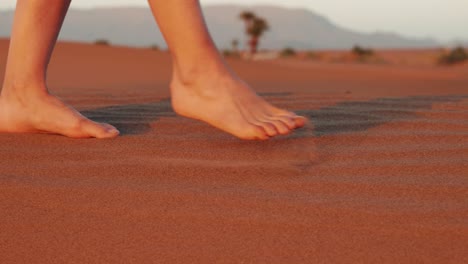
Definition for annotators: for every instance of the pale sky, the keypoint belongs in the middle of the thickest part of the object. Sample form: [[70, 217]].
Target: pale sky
[[443, 19]]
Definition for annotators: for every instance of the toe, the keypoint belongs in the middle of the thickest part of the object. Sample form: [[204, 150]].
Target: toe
[[300, 121], [285, 120], [270, 128], [281, 127], [254, 133], [255, 120], [110, 128], [291, 119], [97, 130]]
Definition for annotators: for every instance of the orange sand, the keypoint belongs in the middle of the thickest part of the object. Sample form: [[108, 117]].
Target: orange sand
[[382, 177]]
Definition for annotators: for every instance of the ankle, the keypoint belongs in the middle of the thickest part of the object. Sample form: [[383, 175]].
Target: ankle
[[22, 91], [192, 74]]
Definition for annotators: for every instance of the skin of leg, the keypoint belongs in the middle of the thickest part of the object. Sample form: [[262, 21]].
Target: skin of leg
[[204, 87], [26, 106]]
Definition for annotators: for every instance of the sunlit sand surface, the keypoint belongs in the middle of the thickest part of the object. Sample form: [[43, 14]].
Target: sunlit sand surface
[[380, 175]]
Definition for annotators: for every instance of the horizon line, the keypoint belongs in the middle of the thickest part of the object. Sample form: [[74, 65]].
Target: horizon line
[[456, 39]]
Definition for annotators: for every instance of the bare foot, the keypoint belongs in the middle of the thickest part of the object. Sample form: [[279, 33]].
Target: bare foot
[[45, 113], [229, 104]]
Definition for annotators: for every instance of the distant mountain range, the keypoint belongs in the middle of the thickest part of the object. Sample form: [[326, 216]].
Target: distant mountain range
[[296, 28]]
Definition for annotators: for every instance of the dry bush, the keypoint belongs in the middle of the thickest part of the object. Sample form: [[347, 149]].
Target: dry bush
[[454, 56], [288, 52], [102, 42]]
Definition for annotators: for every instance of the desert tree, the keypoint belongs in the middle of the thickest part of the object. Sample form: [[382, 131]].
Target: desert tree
[[255, 27], [248, 17]]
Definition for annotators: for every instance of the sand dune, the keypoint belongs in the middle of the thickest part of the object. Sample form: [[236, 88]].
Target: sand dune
[[380, 177]]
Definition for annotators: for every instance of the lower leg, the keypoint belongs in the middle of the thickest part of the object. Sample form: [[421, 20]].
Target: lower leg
[[25, 103], [204, 87]]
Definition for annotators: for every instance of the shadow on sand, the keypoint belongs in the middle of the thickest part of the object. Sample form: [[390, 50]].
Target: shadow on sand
[[345, 117], [132, 119], [358, 116]]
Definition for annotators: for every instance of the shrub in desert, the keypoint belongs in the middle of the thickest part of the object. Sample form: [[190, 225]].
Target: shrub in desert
[[255, 27], [288, 52], [361, 52], [155, 47], [454, 56], [102, 42], [234, 51]]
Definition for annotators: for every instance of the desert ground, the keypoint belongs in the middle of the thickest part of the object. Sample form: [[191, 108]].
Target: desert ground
[[380, 175]]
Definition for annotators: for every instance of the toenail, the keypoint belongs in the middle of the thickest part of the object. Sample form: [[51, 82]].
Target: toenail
[[112, 131]]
